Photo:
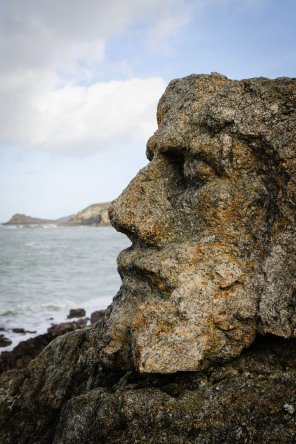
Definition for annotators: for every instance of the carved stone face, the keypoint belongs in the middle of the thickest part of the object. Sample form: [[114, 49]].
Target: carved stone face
[[200, 219]]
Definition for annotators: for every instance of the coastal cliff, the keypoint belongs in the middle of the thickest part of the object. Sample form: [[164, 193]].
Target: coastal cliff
[[95, 215], [199, 343]]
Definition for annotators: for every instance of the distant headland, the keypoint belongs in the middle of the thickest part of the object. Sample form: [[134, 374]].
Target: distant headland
[[93, 215]]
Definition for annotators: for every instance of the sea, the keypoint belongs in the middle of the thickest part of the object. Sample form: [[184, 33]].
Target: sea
[[47, 270]]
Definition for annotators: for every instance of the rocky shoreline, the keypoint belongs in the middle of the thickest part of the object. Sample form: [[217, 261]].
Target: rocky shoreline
[[25, 351]]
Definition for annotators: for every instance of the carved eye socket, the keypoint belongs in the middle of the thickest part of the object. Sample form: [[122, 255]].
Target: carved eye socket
[[198, 171]]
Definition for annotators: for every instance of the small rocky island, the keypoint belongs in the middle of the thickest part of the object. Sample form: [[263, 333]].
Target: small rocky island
[[22, 219], [199, 344], [94, 215]]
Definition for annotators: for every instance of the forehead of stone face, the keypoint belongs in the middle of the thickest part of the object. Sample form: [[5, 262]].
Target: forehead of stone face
[[204, 113], [179, 112], [184, 95], [241, 128]]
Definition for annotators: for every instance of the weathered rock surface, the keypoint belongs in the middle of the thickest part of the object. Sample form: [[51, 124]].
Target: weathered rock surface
[[95, 215], [212, 264], [212, 221], [67, 396]]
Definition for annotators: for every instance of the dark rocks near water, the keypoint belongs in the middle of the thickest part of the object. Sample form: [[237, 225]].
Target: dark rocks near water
[[250, 399], [27, 350], [4, 342], [60, 329], [24, 352], [97, 315], [199, 344], [76, 313]]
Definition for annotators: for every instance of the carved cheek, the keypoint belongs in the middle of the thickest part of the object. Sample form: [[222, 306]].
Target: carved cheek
[[198, 172]]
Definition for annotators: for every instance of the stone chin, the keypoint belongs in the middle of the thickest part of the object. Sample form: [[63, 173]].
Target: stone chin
[[188, 305], [206, 217]]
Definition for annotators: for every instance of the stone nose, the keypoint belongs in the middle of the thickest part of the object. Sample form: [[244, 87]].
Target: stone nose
[[171, 137], [143, 211]]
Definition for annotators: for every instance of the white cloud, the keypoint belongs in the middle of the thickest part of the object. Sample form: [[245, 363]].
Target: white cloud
[[48, 49], [63, 34], [78, 120]]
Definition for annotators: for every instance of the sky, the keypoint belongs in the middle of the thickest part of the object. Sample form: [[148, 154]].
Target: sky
[[80, 82]]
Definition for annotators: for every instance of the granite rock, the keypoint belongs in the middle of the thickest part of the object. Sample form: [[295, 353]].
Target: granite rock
[[212, 224]]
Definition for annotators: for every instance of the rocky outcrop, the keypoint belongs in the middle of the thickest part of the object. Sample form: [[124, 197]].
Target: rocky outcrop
[[4, 342], [212, 221], [22, 219], [97, 315], [76, 313], [95, 215], [211, 269], [27, 350]]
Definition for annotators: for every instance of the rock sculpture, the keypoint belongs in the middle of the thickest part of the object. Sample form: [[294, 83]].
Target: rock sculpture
[[212, 263], [212, 221]]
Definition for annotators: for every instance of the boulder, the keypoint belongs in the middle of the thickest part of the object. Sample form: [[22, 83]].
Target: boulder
[[4, 342], [19, 330], [76, 313], [97, 316]]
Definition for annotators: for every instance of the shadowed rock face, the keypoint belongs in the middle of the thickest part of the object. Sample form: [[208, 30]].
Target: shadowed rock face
[[212, 224]]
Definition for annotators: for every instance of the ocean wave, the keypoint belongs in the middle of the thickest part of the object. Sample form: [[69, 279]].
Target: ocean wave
[[20, 227]]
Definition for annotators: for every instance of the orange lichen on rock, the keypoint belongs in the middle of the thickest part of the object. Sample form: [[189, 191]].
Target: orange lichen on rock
[[212, 223]]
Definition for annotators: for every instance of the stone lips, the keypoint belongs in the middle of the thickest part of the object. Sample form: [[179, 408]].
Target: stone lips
[[212, 221]]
